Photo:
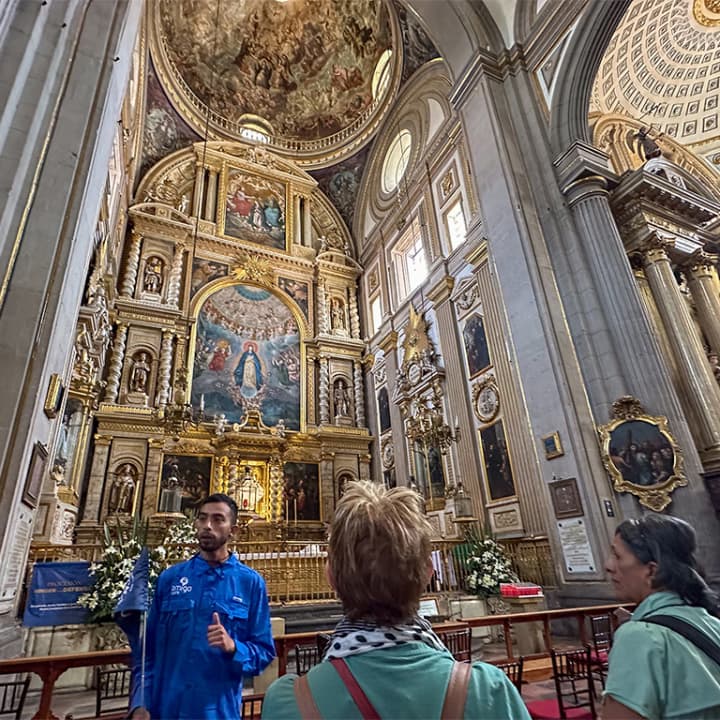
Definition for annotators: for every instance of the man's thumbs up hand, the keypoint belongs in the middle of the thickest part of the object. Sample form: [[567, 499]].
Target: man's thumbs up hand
[[218, 637]]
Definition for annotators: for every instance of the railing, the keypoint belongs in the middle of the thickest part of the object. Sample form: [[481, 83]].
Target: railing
[[294, 571], [49, 668]]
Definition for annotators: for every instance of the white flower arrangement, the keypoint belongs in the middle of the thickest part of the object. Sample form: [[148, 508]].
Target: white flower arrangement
[[118, 559], [487, 566]]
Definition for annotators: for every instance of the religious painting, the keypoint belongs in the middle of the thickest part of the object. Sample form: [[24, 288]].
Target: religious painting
[[301, 492], [566, 498], [35, 473], [184, 483], [204, 272], [61, 468], [255, 209], [418, 48], [247, 355], [641, 455], [552, 446], [476, 345], [429, 461], [305, 67], [498, 470], [384, 410], [297, 290]]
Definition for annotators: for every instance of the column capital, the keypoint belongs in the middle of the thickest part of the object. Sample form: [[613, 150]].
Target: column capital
[[700, 263], [583, 167], [655, 249], [389, 342], [441, 292]]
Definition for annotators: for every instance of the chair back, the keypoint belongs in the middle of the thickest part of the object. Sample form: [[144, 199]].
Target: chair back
[[322, 640], [602, 634], [12, 697], [459, 643], [306, 657], [514, 670], [112, 689], [573, 680], [252, 706]]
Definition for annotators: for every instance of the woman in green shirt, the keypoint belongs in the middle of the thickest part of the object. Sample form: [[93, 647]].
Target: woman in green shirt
[[654, 671]]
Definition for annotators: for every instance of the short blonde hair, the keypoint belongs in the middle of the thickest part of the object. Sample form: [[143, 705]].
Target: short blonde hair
[[379, 552]]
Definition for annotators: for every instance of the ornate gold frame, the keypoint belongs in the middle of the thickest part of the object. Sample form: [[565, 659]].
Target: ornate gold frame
[[181, 453], [656, 497]]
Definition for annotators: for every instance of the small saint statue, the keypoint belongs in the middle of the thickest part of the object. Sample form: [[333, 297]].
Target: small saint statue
[[122, 490], [140, 374], [341, 398], [647, 148], [152, 279], [337, 315], [171, 492]]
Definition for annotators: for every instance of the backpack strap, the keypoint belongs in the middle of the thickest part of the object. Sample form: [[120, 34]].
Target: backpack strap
[[358, 695], [307, 707], [456, 693], [689, 632]]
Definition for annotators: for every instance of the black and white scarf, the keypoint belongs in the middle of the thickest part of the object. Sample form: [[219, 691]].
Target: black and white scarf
[[353, 637]]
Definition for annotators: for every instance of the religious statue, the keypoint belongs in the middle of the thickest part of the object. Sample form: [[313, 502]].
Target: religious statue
[[715, 365], [248, 373], [250, 491], [337, 315], [171, 492], [152, 279], [341, 398], [219, 423], [184, 204], [122, 491], [647, 148], [140, 373]]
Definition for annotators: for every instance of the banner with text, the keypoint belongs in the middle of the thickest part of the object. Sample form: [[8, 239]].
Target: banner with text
[[54, 593]]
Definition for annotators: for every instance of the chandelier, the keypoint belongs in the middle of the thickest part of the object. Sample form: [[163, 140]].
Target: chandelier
[[180, 416]]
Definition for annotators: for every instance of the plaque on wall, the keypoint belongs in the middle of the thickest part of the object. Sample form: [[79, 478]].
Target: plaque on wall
[[575, 545]]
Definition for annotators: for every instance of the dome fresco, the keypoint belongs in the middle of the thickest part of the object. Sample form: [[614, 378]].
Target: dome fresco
[[304, 69]]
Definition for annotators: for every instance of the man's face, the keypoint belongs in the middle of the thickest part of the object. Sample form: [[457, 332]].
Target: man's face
[[214, 526]]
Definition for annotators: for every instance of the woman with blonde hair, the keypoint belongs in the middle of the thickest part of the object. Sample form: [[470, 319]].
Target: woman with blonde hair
[[383, 660]]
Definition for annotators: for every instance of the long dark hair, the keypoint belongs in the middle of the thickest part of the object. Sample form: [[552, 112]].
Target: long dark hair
[[670, 543]]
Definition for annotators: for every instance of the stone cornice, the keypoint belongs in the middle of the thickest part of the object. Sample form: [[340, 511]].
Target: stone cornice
[[582, 161], [389, 342]]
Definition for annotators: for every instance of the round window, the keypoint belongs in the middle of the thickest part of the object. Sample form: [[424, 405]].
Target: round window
[[396, 160]]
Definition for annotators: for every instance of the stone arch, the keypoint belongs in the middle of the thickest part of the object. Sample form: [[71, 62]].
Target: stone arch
[[571, 98]]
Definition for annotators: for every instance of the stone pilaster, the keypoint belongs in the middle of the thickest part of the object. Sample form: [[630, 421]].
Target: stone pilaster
[[696, 377], [197, 197], [211, 196], [116, 363]]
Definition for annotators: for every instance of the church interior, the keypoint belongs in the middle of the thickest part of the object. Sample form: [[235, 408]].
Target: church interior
[[270, 247]]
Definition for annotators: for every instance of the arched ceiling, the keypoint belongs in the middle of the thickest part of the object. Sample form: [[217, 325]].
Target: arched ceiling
[[662, 67], [302, 70]]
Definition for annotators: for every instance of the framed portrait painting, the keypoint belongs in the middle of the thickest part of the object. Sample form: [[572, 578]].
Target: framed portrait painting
[[566, 498], [301, 492], [476, 345], [35, 474], [184, 483], [641, 455], [496, 458]]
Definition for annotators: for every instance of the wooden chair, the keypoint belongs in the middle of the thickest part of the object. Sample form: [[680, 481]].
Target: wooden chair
[[12, 697], [459, 643], [601, 627], [112, 686], [514, 670], [575, 699], [252, 706], [306, 657]]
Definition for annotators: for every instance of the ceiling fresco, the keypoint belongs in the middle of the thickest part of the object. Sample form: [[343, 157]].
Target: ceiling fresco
[[305, 67], [662, 67], [418, 48]]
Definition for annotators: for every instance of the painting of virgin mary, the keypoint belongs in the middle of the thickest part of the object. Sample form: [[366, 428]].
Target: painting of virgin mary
[[248, 373]]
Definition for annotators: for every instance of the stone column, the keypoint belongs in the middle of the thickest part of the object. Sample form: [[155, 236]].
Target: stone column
[[322, 318], [116, 362], [695, 375], [96, 482], [211, 196], [388, 345], [354, 315], [197, 196], [705, 288], [359, 394], [151, 482], [324, 390], [327, 484], [131, 266], [165, 367], [173, 293], [307, 224]]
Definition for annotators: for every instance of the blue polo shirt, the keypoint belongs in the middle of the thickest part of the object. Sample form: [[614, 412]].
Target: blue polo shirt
[[186, 678]]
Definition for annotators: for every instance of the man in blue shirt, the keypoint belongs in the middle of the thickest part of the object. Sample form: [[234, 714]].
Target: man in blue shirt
[[208, 627]]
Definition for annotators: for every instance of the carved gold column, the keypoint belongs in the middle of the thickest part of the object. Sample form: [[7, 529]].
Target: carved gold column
[[220, 482], [211, 196], [323, 324], [705, 288], [165, 367], [131, 266], [354, 315], [297, 235], [96, 482], [695, 374], [359, 394], [173, 295], [275, 468], [324, 390], [197, 197], [153, 469], [116, 361], [307, 225]]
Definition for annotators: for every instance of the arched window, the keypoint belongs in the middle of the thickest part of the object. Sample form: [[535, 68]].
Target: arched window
[[396, 160]]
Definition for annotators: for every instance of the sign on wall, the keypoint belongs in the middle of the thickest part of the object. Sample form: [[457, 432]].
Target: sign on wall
[[54, 593]]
